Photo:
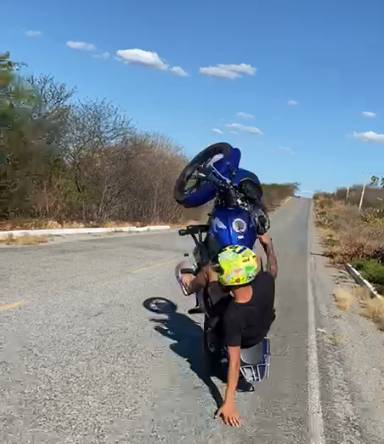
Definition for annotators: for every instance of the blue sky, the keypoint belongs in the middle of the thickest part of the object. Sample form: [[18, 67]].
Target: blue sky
[[303, 70]]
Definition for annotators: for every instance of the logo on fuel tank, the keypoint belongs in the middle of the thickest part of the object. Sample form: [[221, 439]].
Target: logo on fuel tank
[[218, 224], [239, 225]]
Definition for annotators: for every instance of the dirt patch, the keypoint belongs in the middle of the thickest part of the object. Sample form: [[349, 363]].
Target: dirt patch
[[343, 298], [373, 309], [24, 240], [370, 308]]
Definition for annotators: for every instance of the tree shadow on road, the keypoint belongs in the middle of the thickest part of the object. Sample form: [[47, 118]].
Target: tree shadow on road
[[188, 337]]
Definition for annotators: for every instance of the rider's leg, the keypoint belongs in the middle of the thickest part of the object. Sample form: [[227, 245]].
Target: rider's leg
[[216, 302]]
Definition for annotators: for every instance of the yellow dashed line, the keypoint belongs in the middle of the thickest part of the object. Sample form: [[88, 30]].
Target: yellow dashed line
[[156, 265], [7, 307]]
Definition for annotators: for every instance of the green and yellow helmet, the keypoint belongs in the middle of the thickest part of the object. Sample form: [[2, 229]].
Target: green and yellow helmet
[[238, 265]]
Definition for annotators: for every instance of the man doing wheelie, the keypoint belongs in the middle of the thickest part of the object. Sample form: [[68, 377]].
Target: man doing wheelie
[[242, 301]]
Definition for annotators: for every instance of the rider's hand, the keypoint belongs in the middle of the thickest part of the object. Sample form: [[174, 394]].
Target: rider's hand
[[229, 414], [212, 274], [186, 279], [265, 240]]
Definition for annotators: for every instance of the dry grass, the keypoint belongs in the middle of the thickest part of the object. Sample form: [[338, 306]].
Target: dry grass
[[343, 298], [47, 224], [371, 308], [24, 240], [275, 194], [39, 224], [373, 196], [336, 340], [117, 224], [351, 236], [348, 235]]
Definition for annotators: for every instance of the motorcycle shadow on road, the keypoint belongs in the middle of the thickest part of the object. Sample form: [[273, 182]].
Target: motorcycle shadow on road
[[187, 336]]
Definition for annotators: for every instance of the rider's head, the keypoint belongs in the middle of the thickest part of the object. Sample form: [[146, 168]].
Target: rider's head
[[237, 266]]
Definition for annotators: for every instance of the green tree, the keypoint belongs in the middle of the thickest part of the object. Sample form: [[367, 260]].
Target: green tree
[[24, 151], [377, 181], [15, 102]]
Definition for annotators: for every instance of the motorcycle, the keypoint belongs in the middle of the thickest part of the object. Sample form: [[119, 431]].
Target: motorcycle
[[238, 214], [237, 218]]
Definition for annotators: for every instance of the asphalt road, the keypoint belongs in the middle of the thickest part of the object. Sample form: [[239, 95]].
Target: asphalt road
[[82, 361]]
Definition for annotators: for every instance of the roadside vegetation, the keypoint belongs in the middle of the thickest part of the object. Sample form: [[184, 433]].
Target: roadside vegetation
[[24, 240], [275, 193], [370, 308], [64, 160], [74, 163], [354, 236]]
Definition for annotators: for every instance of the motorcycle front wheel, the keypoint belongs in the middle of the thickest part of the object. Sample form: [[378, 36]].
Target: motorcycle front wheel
[[188, 182]]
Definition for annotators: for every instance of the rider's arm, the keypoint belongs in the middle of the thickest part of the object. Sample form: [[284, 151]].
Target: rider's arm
[[201, 280], [266, 242], [228, 410], [233, 374], [232, 339]]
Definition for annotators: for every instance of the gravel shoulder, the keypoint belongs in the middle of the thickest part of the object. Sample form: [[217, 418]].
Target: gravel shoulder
[[350, 360]]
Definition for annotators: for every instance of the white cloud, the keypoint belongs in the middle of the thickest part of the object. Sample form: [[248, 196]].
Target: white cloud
[[287, 149], [244, 128], [102, 55], [80, 46], [217, 131], [149, 59], [368, 114], [292, 102], [245, 116], [137, 56], [212, 71], [178, 71], [33, 34], [231, 71], [369, 136]]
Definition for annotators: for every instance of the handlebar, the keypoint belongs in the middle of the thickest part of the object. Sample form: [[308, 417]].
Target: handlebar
[[210, 174], [229, 192]]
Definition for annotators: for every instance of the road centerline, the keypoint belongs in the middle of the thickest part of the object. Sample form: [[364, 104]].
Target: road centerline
[[12, 306], [153, 265]]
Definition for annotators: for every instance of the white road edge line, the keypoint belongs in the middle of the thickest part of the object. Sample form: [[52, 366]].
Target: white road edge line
[[315, 414], [69, 231]]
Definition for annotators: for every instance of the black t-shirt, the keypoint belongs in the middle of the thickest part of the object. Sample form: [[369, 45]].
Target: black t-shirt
[[246, 324]]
